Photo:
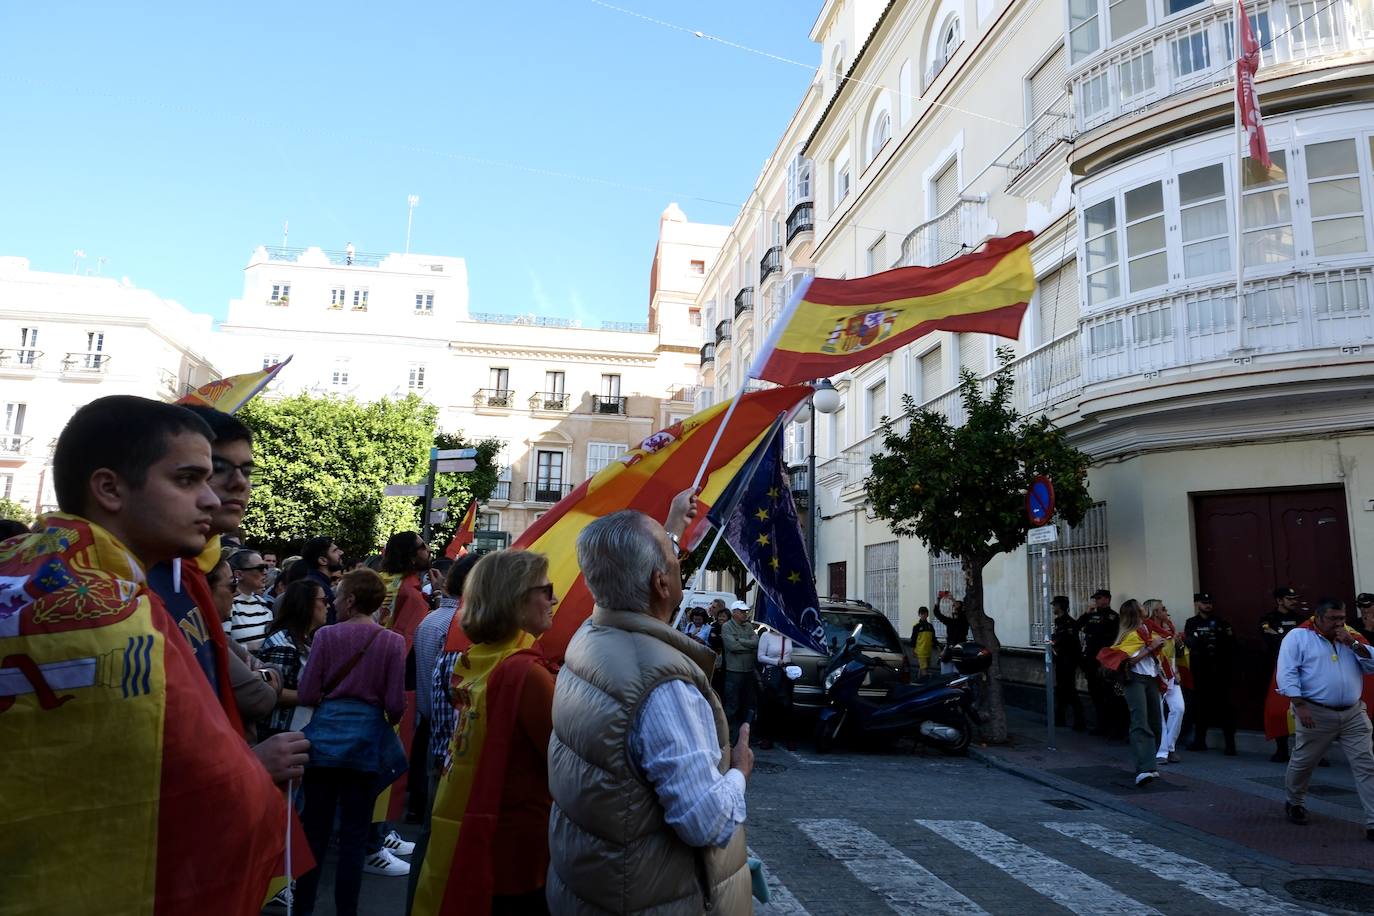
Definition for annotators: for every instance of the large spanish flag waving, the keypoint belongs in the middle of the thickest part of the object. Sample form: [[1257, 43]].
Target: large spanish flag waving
[[834, 325], [229, 394]]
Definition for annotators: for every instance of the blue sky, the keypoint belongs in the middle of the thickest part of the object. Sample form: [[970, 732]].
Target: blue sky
[[172, 139]]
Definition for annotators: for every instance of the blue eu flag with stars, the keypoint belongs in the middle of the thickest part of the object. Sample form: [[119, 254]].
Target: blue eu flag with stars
[[760, 523]]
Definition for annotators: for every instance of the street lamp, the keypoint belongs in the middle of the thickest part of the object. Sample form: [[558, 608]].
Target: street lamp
[[825, 399]]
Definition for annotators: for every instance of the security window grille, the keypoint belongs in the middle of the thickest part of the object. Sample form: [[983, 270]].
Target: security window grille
[[424, 303], [1077, 568], [880, 578], [417, 377], [600, 454]]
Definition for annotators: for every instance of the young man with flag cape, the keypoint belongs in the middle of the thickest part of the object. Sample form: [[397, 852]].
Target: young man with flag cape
[[122, 763]]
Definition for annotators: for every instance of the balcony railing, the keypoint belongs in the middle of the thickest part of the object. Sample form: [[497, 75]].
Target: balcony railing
[[20, 359], [799, 481], [545, 321], [12, 445], [85, 361], [1308, 311], [744, 301], [684, 393], [1039, 137], [494, 397], [501, 491], [956, 231], [722, 331], [1196, 51], [546, 491], [708, 353], [609, 403], [801, 219], [771, 263], [549, 400]]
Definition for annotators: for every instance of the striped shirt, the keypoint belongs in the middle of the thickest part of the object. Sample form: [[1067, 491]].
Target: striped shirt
[[429, 642], [250, 620], [674, 744]]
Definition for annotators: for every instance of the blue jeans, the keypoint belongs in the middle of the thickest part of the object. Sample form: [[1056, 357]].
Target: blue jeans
[[352, 793]]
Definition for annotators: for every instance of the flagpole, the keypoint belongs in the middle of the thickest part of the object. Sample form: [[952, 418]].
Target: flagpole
[[700, 578], [1240, 182]]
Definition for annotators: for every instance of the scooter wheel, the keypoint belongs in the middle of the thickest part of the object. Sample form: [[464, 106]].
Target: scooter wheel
[[960, 748], [826, 732]]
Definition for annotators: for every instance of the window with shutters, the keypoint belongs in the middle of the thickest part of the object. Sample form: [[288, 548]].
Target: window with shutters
[[1045, 88], [416, 379], [973, 353], [932, 375], [946, 188], [875, 405], [1057, 301], [876, 254], [880, 578]]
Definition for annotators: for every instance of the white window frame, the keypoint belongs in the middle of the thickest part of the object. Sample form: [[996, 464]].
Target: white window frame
[[360, 299], [424, 302], [595, 464], [874, 255], [338, 297], [269, 360], [416, 380], [281, 293], [872, 419], [842, 178]]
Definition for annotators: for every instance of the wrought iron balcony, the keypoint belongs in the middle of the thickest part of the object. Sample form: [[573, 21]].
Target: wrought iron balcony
[[501, 491], [85, 362], [799, 481], [13, 446], [801, 219], [722, 331], [549, 400], [20, 359], [708, 353], [494, 397], [547, 491], [605, 403], [744, 301], [771, 263]]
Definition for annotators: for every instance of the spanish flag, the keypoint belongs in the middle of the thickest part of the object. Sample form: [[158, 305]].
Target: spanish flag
[[229, 394], [834, 325], [458, 545]]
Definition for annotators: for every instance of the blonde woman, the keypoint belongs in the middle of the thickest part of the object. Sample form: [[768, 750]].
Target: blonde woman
[[1160, 624], [1135, 657]]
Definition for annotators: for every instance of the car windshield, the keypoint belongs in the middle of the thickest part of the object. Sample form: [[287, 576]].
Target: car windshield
[[877, 634]]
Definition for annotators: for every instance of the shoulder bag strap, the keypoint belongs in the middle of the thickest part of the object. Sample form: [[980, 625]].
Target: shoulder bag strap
[[337, 678]]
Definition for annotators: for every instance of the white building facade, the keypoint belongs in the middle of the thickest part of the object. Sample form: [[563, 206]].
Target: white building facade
[[66, 340], [1231, 454]]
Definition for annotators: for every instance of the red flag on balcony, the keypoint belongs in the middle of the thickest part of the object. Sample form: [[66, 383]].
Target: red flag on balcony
[[1247, 97]]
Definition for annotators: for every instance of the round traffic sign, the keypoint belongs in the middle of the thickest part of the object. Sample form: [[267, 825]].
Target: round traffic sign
[[1040, 501]]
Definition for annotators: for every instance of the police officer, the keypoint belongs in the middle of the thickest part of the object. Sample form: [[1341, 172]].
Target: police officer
[[1068, 654], [1211, 648], [1100, 627], [1288, 614], [1364, 607]]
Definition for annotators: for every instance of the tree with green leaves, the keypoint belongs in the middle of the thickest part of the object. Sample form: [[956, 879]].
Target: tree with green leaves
[[14, 511], [961, 490], [723, 560], [322, 464]]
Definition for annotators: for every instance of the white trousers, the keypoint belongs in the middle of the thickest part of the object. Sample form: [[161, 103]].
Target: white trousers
[[1173, 718]]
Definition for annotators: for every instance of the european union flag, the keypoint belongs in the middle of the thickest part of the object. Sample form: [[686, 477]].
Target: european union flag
[[760, 523]]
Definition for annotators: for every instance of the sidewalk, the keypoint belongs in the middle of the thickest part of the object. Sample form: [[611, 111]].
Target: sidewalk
[[1237, 799]]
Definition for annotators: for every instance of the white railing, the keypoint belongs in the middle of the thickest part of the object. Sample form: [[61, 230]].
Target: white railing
[[1196, 50], [1039, 137], [1306, 311], [956, 231]]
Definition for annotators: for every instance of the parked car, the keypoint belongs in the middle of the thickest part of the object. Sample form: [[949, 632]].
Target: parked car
[[877, 639]]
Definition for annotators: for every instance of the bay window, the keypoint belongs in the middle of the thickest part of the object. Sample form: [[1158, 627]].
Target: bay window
[[1146, 260], [1203, 221], [1335, 198], [1267, 209]]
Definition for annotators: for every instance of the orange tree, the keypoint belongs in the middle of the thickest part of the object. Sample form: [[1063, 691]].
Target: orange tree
[[961, 490]]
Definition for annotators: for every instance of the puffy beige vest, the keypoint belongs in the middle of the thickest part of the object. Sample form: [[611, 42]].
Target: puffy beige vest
[[610, 849]]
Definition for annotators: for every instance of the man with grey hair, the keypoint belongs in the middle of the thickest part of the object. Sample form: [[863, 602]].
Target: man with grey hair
[[648, 795]]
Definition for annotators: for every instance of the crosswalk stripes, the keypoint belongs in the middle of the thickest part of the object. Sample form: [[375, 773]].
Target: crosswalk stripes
[[1066, 886], [781, 901], [907, 886], [1198, 878]]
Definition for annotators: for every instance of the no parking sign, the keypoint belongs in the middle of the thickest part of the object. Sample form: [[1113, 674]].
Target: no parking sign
[[1040, 501]]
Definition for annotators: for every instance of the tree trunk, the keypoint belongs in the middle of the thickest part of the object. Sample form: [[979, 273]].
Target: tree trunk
[[984, 630]]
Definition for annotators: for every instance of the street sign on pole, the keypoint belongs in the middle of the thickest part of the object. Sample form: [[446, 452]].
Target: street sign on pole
[[455, 465], [445, 453], [404, 489], [439, 502], [438, 518], [1046, 535]]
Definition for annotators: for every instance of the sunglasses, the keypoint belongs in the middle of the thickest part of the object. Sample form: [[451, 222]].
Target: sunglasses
[[259, 568], [547, 589]]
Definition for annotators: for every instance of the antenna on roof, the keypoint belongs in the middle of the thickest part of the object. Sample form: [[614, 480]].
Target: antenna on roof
[[412, 200]]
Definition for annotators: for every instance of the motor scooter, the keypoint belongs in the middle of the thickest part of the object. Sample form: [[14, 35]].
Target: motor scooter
[[939, 711]]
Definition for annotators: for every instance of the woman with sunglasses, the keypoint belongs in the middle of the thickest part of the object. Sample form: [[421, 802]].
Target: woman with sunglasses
[[502, 691]]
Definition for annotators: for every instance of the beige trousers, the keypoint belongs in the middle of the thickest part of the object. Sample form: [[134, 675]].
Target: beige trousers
[[1352, 729]]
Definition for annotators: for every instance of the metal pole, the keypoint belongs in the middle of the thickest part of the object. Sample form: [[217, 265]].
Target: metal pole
[[700, 577], [1049, 648], [1240, 193], [428, 498], [812, 509]]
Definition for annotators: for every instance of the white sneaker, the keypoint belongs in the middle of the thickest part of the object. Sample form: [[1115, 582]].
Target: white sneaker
[[1144, 778], [396, 845], [382, 862], [1161, 761]]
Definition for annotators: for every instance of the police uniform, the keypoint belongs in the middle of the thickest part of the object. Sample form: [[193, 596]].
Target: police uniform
[[1274, 626], [1068, 654], [1100, 628], [1211, 649]]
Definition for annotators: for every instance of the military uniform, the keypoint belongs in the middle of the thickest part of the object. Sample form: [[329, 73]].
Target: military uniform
[[1274, 626], [1211, 649], [1100, 627]]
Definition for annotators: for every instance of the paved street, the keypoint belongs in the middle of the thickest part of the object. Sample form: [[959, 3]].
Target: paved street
[[894, 832]]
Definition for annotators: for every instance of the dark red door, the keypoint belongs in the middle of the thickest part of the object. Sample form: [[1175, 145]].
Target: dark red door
[[839, 576], [1253, 542]]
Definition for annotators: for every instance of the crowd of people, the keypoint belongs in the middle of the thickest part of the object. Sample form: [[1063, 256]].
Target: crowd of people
[[618, 785]]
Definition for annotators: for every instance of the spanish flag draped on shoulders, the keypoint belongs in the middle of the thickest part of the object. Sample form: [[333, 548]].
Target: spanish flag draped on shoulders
[[1128, 646], [127, 790], [1278, 712]]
